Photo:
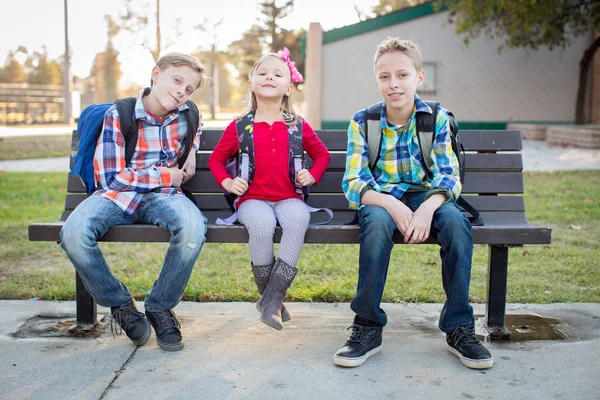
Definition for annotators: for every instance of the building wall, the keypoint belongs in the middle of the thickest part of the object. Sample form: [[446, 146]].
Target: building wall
[[476, 82]]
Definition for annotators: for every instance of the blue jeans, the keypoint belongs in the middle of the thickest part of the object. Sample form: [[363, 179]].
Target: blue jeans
[[453, 233], [92, 218]]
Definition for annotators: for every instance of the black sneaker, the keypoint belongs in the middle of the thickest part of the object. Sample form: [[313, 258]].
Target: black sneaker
[[463, 343], [133, 322], [364, 342], [166, 326]]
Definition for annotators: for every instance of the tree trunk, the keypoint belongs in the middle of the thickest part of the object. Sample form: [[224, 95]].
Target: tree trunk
[[584, 69], [213, 83], [156, 52]]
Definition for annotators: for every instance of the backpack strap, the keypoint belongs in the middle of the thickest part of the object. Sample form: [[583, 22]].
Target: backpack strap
[[245, 132], [192, 118], [426, 123], [126, 109], [373, 125], [297, 161], [241, 164]]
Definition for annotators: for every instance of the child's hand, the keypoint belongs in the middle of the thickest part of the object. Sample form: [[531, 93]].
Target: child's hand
[[189, 167], [237, 186], [177, 176], [401, 214], [305, 178], [420, 226]]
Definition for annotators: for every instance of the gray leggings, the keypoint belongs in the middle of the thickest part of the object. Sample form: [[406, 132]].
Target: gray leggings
[[260, 218]]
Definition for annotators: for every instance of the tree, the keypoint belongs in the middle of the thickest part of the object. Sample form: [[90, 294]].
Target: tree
[[267, 36], [42, 70], [272, 15], [106, 71], [137, 23], [13, 71], [245, 51], [531, 24], [212, 29], [221, 79], [388, 6]]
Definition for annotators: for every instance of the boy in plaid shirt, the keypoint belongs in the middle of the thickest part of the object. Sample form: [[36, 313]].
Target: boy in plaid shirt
[[147, 190], [397, 194]]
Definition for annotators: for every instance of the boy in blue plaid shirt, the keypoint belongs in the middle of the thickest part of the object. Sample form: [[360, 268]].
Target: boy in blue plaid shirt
[[397, 194]]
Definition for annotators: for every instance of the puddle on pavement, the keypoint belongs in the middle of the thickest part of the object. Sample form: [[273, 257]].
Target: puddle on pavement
[[525, 327]]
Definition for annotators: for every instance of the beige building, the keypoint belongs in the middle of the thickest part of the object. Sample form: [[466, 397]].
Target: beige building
[[485, 88]]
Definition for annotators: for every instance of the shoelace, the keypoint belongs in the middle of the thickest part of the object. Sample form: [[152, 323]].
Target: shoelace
[[465, 334], [122, 318], [360, 334], [169, 320]]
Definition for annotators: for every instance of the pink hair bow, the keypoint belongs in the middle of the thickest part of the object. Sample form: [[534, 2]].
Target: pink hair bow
[[296, 76]]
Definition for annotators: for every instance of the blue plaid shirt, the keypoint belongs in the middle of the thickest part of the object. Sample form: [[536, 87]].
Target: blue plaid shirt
[[399, 167]]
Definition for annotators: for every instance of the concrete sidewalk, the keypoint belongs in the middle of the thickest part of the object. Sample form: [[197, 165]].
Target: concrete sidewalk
[[230, 354]]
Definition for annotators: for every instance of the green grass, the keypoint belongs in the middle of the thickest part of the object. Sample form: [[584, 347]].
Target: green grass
[[568, 270], [22, 148]]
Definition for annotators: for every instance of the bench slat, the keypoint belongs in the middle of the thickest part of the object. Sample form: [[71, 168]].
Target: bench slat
[[216, 201], [475, 182], [473, 140], [474, 162], [476, 140], [336, 140]]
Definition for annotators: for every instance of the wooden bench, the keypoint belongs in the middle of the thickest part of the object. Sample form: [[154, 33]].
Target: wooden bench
[[493, 184]]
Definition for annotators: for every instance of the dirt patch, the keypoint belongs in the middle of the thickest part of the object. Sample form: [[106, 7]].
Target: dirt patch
[[54, 326]]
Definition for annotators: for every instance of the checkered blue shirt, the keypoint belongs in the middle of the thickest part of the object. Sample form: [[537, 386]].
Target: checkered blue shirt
[[399, 167]]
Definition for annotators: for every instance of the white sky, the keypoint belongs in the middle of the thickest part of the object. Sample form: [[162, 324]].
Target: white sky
[[34, 23]]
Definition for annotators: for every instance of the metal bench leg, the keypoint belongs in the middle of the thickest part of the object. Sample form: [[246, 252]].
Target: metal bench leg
[[87, 320], [496, 292]]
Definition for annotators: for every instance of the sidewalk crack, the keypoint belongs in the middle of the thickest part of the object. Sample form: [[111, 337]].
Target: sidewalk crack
[[118, 373]]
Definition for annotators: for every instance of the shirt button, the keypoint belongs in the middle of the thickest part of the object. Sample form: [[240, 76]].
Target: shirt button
[[273, 139], [273, 150], [270, 128], [404, 151]]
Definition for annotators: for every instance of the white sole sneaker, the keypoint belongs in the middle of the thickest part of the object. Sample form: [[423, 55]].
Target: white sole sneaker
[[354, 362], [471, 363]]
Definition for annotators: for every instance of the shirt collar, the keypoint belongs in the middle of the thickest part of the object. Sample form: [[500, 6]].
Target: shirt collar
[[420, 106]]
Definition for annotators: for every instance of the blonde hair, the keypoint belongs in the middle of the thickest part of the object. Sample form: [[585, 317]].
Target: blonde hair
[[179, 59], [286, 103], [408, 47]]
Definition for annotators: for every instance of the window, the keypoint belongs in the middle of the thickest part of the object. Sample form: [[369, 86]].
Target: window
[[430, 84]]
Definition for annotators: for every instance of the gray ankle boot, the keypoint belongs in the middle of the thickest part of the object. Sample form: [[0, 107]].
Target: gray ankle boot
[[261, 278], [271, 300]]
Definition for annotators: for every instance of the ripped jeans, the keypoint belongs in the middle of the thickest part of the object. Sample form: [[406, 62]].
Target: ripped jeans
[[92, 218]]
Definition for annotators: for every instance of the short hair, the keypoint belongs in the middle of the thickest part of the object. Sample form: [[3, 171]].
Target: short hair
[[179, 59], [408, 47]]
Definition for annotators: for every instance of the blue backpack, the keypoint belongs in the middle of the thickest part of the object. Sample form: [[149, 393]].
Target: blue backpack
[[89, 128]]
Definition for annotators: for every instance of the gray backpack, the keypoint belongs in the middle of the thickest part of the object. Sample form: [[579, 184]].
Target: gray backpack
[[425, 136]]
